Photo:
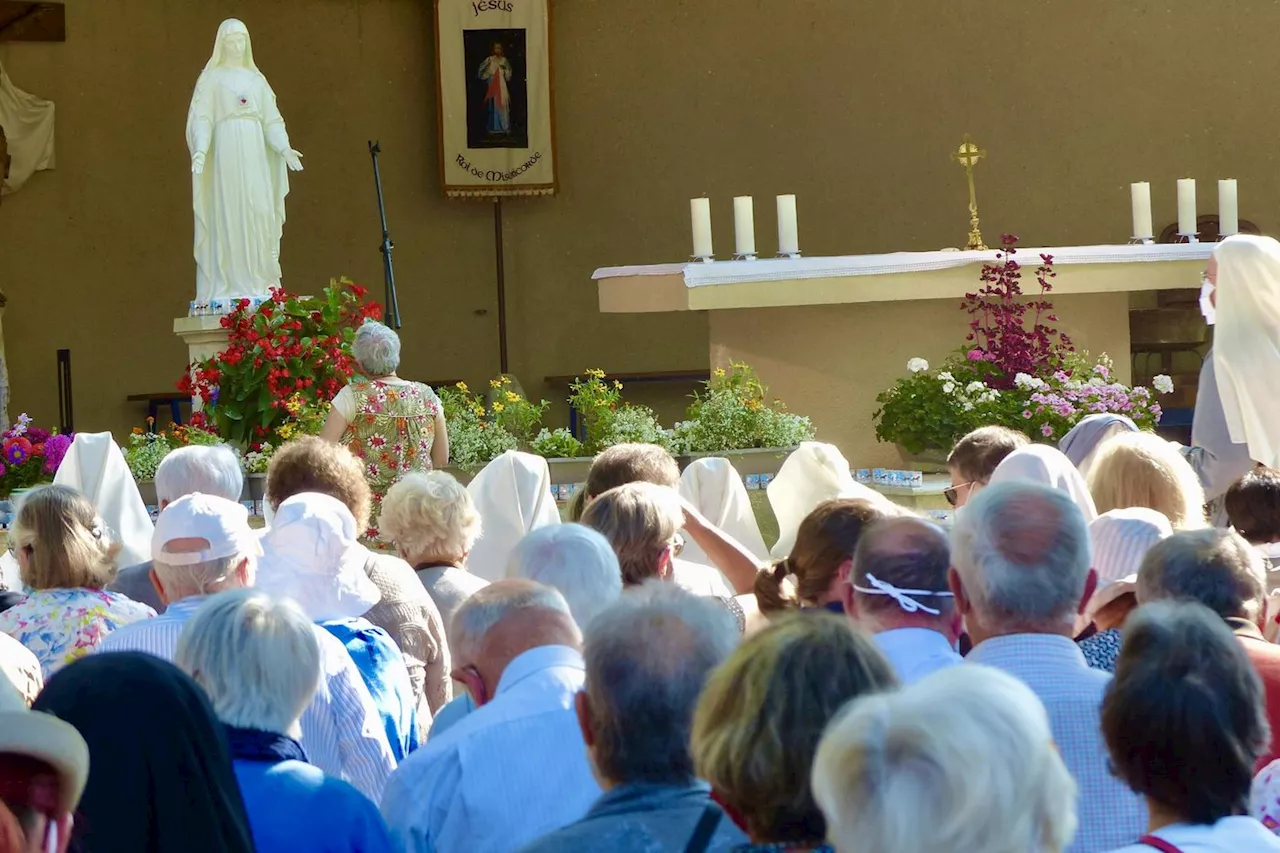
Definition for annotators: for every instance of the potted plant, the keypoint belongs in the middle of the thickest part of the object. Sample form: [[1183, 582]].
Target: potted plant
[[1015, 370], [29, 457], [735, 418], [147, 448]]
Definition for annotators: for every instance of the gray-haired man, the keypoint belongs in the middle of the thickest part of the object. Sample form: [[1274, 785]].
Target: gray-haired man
[[648, 656]]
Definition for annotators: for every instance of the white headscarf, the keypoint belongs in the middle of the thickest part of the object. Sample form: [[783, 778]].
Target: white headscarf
[[1081, 444], [1246, 350], [1047, 466], [812, 474], [313, 555], [95, 467], [513, 496], [715, 488]]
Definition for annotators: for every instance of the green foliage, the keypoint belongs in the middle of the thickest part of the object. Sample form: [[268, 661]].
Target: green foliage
[[556, 444], [734, 413]]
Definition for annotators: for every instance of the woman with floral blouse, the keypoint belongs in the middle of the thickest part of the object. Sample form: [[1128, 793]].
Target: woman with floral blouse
[[66, 558], [393, 425]]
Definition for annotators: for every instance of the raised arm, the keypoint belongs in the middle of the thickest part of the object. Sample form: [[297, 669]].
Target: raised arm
[[738, 564]]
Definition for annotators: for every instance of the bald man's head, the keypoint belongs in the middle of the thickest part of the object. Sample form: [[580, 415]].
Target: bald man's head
[[1023, 554], [905, 554]]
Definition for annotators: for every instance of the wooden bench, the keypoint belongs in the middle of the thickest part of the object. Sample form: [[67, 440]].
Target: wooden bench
[[701, 374]]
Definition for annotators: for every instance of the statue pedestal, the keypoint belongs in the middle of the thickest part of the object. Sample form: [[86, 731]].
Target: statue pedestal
[[204, 337]]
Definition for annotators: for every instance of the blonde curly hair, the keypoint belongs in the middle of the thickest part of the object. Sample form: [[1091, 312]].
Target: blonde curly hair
[[430, 516], [1141, 469]]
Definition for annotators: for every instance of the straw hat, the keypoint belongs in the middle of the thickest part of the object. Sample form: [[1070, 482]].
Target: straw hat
[[45, 737]]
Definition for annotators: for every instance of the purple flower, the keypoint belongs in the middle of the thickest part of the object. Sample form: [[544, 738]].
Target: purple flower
[[55, 450], [1101, 370], [1026, 413], [3, 470], [17, 451], [1046, 430]]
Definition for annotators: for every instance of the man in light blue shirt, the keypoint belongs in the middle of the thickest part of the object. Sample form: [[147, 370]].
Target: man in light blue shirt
[[1021, 572], [648, 656], [515, 768], [898, 591]]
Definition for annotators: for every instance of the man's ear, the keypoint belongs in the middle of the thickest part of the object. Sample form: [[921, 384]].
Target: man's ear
[[963, 605], [582, 708], [158, 585], [844, 580]]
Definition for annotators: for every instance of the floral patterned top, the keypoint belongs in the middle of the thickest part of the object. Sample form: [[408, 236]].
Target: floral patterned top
[[61, 625], [392, 429]]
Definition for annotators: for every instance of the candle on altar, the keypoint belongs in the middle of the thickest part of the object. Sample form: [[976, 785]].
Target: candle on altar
[[788, 228], [1228, 208], [1141, 197], [1186, 206], [744, 225], [700, 210]]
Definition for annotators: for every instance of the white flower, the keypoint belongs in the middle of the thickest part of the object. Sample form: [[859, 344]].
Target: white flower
[[1097, 382], [967, 406], [948, 388], [1027, 382], [1073, 385], [917, 365], [975, 388], [945, 376], [1163, 384]]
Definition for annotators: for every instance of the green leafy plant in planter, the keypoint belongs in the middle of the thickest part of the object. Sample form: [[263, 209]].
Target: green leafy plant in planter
[[474, 439], [557, 444], [735, 413], [608, 421], [147, 449]]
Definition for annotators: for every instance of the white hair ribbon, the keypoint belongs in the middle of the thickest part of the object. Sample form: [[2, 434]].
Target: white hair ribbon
[[902, 596]]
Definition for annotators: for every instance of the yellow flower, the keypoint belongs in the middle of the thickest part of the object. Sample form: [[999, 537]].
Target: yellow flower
[[285, 431], [719, 374], [617, 384], [596, 373], [462, 386], [497, 407], [513, 397], [506, 380], [495, 383]]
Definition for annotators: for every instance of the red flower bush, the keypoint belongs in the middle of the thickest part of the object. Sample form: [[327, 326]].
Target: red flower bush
[[289, 347], [999, 337]]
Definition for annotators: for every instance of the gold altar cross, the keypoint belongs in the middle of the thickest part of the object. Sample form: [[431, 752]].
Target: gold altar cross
[[968, 155], [21, 21]]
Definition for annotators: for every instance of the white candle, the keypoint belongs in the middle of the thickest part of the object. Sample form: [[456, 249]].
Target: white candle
[[788, 228], [744, 225], [1141, 196], [1187, 206], [700, 210], [1228, 208]]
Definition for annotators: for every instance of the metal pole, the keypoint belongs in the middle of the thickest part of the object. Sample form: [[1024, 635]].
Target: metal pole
[[502, 286], [388, 269]]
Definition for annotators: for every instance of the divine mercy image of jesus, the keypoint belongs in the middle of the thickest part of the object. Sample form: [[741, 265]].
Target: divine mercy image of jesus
[[497, 108], [240, 164]]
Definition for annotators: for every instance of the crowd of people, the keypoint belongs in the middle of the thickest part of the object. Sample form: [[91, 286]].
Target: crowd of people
[[1082, 661]]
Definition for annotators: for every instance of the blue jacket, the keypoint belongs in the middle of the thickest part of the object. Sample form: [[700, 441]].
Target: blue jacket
[[383, 671], [293, 806]]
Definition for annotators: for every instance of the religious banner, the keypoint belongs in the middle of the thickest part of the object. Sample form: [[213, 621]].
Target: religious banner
[[493, 70]]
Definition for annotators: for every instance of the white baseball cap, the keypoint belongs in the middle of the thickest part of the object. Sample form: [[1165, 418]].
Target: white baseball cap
[[222, 523]]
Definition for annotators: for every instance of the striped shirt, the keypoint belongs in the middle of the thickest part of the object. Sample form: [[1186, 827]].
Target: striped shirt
[[342, 732], [1053, 667]]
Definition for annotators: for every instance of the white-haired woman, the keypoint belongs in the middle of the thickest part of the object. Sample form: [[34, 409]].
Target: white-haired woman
[[961, 760], [258, 660], [393, 425], [433, 522], [575, 560]]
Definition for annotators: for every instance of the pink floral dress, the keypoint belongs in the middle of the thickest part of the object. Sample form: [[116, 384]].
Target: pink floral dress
[[62, 625], [392, 433]]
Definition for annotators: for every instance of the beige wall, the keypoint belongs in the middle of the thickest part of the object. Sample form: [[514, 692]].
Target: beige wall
[[831, 361], [853, 106]]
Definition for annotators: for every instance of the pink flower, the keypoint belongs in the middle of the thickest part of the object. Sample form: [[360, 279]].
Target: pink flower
[[1026, 413], [1046, 430], [976, 355]]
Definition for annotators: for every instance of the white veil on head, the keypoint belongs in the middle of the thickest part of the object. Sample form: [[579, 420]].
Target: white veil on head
[[95, 466], [229, 27], [1050, 467], [715, 488], [814, 473], [513, 496], [1246, 351]]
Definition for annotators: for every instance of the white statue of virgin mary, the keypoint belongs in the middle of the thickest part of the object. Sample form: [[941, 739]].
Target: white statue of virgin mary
[[240, 163]]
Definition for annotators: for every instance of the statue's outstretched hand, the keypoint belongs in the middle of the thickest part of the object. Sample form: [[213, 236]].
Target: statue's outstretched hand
[[293, 159], [197, 163]]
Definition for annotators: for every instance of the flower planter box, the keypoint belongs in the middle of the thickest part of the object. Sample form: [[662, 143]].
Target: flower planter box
[[564, 472], [767, 460], [930, 460], [255, 489]]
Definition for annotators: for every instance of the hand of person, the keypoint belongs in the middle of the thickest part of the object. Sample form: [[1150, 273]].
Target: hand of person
[[293, 159], [197, 163]]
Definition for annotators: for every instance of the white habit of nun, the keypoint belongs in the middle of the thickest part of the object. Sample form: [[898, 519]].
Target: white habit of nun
[[814, 473], [1048, 466], [95, 467], [513, 496], [716, 490]]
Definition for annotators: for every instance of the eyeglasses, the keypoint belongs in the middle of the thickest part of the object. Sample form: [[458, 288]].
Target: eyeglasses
[[952, 494]]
